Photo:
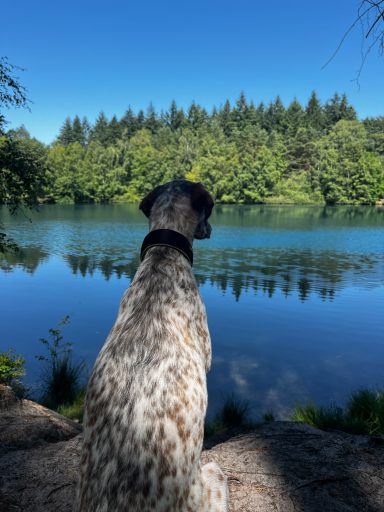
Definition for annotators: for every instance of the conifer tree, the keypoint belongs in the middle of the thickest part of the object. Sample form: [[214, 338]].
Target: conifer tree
[[114, 131], [175, 117], [294, 118], [225, 118], [197, 116], [252, 116], [140, 120], [66, 133], [314, 115], [100, 133], [347, 112], [332, 110], [78, 134], [128, 123], [275, 116], [260, 115], [240, 111], [151, 122], [86, 129]]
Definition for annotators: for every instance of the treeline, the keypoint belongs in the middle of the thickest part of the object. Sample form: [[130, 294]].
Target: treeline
[[243, 153]]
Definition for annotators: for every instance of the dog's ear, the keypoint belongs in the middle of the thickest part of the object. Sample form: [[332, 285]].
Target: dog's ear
[[147, 202], [202, 200]]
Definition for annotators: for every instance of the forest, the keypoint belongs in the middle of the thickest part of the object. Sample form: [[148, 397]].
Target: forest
[[243, 153]]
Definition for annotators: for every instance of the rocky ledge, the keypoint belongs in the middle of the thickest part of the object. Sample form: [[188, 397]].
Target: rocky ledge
[[280, 467]]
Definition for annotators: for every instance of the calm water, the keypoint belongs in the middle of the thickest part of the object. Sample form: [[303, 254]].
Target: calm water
[[294, 295]]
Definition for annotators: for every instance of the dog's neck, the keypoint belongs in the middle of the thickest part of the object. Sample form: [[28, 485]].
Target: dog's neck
[[177, 216]]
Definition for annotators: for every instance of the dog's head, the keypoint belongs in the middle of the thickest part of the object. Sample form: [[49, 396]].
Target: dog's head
[[199, 199]]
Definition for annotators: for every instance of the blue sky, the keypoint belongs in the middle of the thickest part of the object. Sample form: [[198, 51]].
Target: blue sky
[[90, 55]]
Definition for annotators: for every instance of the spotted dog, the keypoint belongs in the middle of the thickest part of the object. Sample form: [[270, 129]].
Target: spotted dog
[[147, 395]]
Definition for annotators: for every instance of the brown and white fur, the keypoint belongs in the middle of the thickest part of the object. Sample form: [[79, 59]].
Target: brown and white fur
[[147, 396]]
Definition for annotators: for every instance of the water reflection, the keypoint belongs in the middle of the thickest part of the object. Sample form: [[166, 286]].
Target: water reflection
[[270, 216], [299, 217], [324, 273], [294, 294], [28, 258]]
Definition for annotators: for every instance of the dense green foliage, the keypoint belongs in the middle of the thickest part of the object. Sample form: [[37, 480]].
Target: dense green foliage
[[22, 169], [11, 367], [363, 414], [22, 159], [242, 153]]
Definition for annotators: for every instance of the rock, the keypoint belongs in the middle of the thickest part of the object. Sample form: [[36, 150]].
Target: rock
[[280, 467], [41, 479], [7, 397], [287, 467], [25, 424]]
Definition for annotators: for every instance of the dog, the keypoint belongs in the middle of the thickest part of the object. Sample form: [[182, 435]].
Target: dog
[[147, 395]]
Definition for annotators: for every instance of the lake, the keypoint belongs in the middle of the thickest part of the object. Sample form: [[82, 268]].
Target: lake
[[294, 295]]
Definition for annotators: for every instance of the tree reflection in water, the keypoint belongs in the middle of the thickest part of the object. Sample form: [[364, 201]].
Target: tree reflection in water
[[324, 273]]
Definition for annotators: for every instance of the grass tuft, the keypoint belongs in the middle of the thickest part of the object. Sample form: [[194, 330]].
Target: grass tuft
[[61, 379], [268, 417], [324, 418], [75, 410], [363, 414], [233, 414]]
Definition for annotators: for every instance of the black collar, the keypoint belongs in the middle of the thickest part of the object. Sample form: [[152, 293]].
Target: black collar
[[167, 238]]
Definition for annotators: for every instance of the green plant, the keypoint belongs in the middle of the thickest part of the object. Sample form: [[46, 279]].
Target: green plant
[[61, 380], [325, 418], [363, 414], [268, 417], [11, 367], [75, 410], [234, 413]]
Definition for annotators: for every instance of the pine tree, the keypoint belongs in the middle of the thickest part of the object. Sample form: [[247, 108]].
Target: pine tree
[[260, 115], [78, 134], [100, 132], [252, 116], [86, 129], [197, 117], [275, 116], [152, 122], [314, 115], [140, 120], [294, 118], [225, 118], [128, 123], [114, 131], [347, 112], [332, 110], [174, 118], [66, 133], [240, 111]]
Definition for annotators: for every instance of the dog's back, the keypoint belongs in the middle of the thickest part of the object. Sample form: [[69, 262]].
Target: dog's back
[[146, 399]]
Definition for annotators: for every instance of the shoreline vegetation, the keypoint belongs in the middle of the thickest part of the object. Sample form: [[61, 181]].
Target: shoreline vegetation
[[63, 390], [244, 154]]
